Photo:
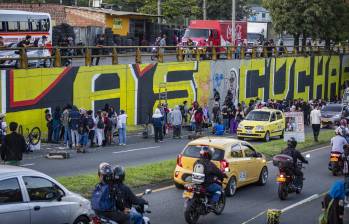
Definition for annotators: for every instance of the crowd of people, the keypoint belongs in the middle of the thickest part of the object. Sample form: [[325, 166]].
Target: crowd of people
[[80, 128]]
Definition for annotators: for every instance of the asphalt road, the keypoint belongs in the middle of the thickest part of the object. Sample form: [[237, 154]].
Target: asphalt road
[[249, 201]]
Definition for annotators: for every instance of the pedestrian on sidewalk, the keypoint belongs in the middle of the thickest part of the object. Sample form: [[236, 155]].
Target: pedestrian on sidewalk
[[65, 123], [48, 118], [74, 118], [176, 121], [99, 129], [83, 131], [108, 126], [122, 118], [315, 119], [13, 147], [3, 127], [157, 121], [56, 124], [334, 202], [91, 127], [199, 120]]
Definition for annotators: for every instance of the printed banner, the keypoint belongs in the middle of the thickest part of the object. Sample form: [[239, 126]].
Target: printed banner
[[294, 126]]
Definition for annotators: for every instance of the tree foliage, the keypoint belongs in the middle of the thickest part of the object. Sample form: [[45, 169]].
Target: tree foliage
[[222, 9], [310, 18]]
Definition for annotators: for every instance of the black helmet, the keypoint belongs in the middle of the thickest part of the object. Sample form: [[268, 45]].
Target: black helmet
[[206, 152], [292, 143], [106, 171], [119, 173]]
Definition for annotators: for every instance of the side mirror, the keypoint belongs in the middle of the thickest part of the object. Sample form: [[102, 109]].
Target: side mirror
[[147, 191], [60, 195]]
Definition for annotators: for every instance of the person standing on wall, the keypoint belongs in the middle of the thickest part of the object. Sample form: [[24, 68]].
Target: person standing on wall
[[100, 42], [162, 44], [315, 119], [13, 147], [122, 127]]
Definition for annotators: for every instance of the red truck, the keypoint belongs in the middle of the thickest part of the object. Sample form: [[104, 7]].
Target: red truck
[[214, 32]]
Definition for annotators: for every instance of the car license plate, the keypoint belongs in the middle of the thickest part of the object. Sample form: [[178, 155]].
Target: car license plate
[[187, 194], [334, 159]]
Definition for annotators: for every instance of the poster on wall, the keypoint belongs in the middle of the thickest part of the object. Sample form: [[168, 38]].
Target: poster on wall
[[294, 126]]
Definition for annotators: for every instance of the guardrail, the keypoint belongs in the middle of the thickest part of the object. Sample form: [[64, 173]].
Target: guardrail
[[59, 55]]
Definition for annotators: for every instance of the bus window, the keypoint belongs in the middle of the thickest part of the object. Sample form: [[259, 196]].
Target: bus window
[[12, 26], [2, 26], [35, 25], [23, 26]]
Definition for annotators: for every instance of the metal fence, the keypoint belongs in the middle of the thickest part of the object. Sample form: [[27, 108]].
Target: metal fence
[[61, 56]]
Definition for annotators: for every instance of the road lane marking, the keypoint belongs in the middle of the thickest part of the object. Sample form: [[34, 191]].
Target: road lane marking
[[28, 164], [159, 189], [306, 200], [139, 149]]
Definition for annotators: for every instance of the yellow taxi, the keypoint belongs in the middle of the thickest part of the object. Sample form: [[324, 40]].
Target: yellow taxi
[[246, 166], [262, 124]]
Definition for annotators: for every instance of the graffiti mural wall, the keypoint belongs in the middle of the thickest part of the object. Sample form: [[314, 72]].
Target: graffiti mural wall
[[26, 94]]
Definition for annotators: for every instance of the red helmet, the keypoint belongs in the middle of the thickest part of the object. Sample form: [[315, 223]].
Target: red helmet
[[343, 122]]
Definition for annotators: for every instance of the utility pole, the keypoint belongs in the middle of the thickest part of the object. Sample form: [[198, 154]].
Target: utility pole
[[204, 9], [159, 11], [233, 16]]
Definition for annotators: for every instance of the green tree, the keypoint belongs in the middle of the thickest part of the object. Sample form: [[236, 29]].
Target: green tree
[[221, 9]]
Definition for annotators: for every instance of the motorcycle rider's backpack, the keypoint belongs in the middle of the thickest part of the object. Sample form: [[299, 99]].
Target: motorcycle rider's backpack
[[198, 117], [102, 199], [90, 123], [198, 175], [323, 219]]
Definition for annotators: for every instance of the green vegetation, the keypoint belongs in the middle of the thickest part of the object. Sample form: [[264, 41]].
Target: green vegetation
[[160, 172]]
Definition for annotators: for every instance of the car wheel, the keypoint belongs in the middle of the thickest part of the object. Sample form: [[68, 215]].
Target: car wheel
[[263, 177], [230, 189], [82, 220], [267, 137], [282, 135], [178, 186]]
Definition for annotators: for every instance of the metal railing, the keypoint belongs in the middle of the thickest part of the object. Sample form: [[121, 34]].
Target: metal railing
[[60, 55]]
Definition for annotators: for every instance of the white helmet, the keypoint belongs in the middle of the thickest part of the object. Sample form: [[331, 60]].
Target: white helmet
[[339, 131]]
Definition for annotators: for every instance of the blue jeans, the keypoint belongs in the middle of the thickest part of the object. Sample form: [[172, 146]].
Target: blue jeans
[[67, 136], [56, 133], [122, 134], [136, 217], [83, 139], [226, 124], [215, 190]]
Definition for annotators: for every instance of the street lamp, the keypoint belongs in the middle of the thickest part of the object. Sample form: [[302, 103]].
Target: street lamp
[[233, 16]]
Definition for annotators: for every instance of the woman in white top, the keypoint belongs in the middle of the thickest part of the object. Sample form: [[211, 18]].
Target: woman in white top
[[122, 127]]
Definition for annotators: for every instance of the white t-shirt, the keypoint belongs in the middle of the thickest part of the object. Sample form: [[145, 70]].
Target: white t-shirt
[[315, 116], [338, 143], [122, 120]]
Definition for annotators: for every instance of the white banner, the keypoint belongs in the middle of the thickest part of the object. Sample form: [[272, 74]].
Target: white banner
[[294, 126]]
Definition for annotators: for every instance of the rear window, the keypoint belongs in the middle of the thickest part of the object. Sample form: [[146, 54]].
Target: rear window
[[194, 152], [332, 108]]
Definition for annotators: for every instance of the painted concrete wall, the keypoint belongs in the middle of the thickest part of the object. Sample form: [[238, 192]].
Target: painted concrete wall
[[25, 94]]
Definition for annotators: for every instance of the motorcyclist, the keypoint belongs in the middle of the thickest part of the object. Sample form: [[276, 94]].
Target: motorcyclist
[[338, 141], [296, 155], [103, 197], [125, 197], [343, 124], [212, 173]]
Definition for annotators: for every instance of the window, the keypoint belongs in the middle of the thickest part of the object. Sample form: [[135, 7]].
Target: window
[[273, 117], [45, 25], [263, 15], [35, 25], [23, 26], [10, 192], [194, 152], [12, 26], [258, 116], [249, 152], [236, 151], [278, 115], [40, 189], [2, 26]]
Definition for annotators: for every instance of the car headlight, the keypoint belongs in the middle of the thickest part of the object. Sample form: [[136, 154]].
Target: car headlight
[[259, 128], [337, 116], [240, 126]]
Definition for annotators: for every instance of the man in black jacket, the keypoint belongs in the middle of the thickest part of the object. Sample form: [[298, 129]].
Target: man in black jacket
[[125, 198], [212, 173], [13, 146], [296, 155]]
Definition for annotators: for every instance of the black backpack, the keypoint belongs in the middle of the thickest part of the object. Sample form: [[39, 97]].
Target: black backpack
[[90, 123], [100, 124]]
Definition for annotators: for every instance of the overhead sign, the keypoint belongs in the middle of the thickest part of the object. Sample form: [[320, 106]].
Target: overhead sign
[[294, 126]]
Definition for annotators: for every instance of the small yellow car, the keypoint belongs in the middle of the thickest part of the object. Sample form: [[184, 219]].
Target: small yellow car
[[246, 166], [262, 124]]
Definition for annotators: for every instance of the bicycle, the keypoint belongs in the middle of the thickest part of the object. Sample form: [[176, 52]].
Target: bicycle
[[33, 136]]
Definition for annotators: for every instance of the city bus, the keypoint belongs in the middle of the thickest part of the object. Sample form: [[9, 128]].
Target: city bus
[[15, 25]]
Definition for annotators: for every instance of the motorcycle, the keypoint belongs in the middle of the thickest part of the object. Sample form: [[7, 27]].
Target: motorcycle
[[141, 209], [197, 201], [336, 164], [288, 182]]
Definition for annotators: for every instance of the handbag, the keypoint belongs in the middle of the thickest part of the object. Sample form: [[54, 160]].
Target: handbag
[[323, 219]]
